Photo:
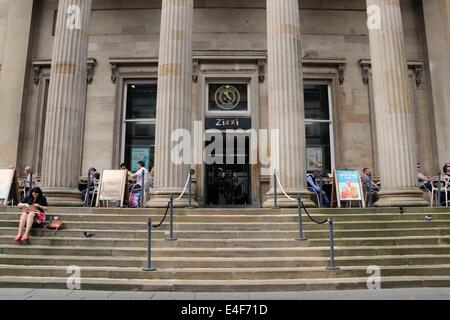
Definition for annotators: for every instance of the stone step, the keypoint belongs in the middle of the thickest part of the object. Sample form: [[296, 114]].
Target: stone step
[[311, 234], [303, 252], [159, 242], [236, 218], [247, 262], [238, 211], [224, 285], [222, 274], [348, 225]]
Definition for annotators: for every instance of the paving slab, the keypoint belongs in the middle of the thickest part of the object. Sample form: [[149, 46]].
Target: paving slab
[[89, 295], [222, 296], [174, 296], [131, 296]]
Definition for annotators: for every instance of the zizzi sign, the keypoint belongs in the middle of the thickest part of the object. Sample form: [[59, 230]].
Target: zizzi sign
[[228, 123]]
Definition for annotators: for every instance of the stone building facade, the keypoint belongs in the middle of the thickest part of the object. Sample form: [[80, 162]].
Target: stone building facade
[[97, 82]]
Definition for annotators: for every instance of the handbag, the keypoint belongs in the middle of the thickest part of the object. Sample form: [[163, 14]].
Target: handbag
[[55, 223]]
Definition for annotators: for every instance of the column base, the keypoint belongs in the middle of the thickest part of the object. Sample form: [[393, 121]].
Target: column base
[[284, 202], [60, 197], [401, 198], [159, 199]]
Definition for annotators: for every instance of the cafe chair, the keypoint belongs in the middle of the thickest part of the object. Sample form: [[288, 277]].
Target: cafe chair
[[438, 184]]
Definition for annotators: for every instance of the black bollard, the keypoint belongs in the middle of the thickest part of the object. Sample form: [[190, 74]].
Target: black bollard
[[332, 265], [301, 236], [171, 237], [149, 247]]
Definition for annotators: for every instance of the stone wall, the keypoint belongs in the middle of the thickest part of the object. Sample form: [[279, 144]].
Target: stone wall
[[4, 4], [331, 29]]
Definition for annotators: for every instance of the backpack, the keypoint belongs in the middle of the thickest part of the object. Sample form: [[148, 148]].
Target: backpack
[[135, 199]]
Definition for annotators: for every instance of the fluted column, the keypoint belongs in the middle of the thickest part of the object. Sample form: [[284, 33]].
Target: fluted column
[[14, 70], [286, 102], [393, 107], [174, 98], [66, 103]]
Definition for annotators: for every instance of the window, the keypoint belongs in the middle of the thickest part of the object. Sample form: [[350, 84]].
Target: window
[[319, 128], [140, 124]]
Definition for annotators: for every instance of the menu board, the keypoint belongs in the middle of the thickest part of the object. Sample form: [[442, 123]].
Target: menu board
[[6, 180], [348, 186], [112, 186]]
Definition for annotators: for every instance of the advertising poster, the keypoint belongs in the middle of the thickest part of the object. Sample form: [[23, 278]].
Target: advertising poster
[[139, 154], [348, 185]]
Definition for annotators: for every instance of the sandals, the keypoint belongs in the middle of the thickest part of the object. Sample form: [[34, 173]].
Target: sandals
[[24, 239], [17, 238]]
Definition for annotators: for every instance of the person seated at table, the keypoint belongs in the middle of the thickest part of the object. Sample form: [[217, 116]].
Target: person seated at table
[[446, 171], [33, 211], [446, 179], [368, 182], [424, 181], [94, 175], [152, 178], [314, 186], [30, 181]]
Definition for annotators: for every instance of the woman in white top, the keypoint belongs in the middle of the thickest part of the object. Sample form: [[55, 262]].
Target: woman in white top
[[137, 177]]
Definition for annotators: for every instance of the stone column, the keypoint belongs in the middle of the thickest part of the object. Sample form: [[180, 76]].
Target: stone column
[[437, 28], [393, 107], [174, 98], [66, 103], [12, 77], [286, 102]]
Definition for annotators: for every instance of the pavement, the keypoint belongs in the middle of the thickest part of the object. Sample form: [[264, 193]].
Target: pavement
[[387, 294]]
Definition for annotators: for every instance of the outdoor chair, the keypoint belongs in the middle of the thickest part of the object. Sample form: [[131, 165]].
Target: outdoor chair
[[442, 185]]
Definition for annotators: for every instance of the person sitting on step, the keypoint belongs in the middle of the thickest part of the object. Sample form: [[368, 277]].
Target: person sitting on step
[[33, 211]]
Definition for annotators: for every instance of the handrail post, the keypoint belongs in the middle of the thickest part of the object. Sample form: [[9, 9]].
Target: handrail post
[[275, 191], [321, 191], [88, 190], [149, 247], [301, 236], [438, 202], [142, 188], [171, 237], [332, 265], [190, 191], [30, 185]]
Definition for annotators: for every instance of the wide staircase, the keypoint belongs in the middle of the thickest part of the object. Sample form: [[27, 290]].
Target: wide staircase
[[230, 250]]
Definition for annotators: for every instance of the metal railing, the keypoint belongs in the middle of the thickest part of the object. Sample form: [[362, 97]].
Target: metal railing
[[300, 205], [169, 208]]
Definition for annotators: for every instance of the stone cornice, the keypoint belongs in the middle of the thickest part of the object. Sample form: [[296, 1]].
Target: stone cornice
[[39, 65], [116, 63], [259, 58], [415, 66]]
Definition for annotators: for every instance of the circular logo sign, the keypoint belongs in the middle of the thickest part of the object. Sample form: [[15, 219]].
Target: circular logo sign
[[227, 97]]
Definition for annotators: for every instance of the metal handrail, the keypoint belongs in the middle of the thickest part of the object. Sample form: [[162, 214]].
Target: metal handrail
[[332, 266], [169, 208]]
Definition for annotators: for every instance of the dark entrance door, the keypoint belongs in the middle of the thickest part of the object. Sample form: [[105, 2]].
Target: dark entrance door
[[228, 180]]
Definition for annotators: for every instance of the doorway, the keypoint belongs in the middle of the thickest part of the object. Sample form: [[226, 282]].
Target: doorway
[[228, 179]]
